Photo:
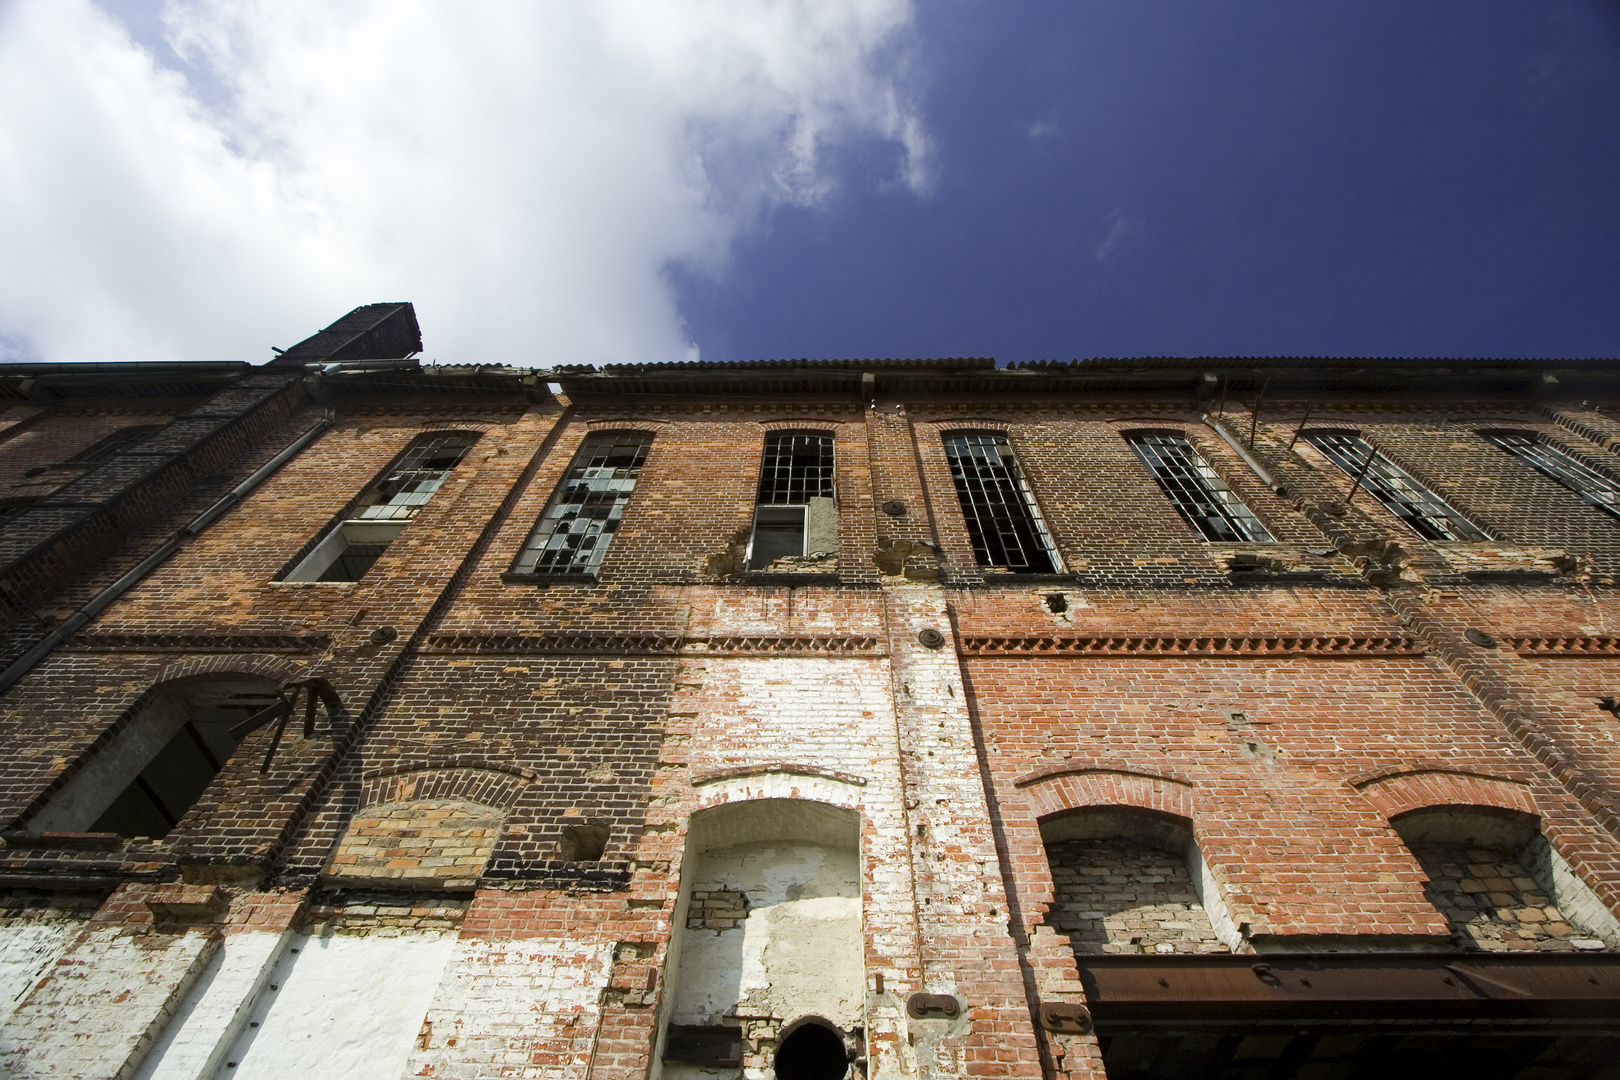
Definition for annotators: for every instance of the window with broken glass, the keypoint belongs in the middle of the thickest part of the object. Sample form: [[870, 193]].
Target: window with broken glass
[[1002, 518], [1557, 463], [1196, 490], [1405, 496], [795, 512], [354, 544], [573, 534]]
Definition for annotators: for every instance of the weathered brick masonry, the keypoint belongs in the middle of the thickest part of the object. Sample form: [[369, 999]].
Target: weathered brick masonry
[[332, 785]]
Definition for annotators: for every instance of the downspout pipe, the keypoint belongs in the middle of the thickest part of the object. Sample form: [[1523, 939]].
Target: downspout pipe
[[75, 622], [1277, 486]]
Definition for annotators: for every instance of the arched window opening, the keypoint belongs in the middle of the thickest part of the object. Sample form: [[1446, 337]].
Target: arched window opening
[[151, 773], [1128, 881], [812, 1051], [1500, 885], [768, 934]]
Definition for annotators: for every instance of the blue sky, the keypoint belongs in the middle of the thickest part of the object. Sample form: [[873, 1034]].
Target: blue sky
[[1180, 177], [728, 180]]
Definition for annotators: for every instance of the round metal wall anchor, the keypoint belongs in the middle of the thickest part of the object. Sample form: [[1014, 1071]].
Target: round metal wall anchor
[[383, 635], [931, 638], [1480, 638], [894, 508], [1065, 1018]]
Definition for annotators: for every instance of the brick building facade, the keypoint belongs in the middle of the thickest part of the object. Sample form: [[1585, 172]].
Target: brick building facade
[[1147, 718]]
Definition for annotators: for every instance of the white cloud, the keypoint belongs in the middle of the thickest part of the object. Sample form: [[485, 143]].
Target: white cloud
[[524, 172], [1120, 226]]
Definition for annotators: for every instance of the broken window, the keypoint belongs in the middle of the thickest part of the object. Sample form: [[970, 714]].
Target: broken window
[[1195, 489], [795, 513], [573, 534], [122, 439], [1552, 460], [1002, 519], [1405, 496], [352, 545]]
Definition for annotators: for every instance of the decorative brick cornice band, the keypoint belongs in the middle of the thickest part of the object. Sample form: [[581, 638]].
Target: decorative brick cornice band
[[1246, 647], [1604, 645], [554, 644], [199, 643], [774, 768], [750, 645], [652, 645]]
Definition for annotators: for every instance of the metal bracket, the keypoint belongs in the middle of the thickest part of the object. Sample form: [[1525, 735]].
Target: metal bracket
[[920, 1006], [281, 713], [1066, 1018]]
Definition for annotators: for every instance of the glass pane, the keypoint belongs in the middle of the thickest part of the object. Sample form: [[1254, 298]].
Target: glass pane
[[1552, 460]]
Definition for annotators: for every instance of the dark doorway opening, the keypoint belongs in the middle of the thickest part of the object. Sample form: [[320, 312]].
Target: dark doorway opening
[[811, 1052]]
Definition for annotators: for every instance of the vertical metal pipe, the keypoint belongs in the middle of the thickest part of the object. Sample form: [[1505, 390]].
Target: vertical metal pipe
[[1362, 472], [1254, 417], [1302, 422]]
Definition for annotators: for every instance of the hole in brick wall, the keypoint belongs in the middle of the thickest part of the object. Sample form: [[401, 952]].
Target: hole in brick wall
[[1056, 603], [583, 843], [811, 1052]]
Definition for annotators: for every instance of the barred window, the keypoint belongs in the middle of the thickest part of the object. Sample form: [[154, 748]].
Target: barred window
[[794, 515], [1002, 519], [1552, 460], [573, 534], [354, 544], [1195, 489], [1401, 493]]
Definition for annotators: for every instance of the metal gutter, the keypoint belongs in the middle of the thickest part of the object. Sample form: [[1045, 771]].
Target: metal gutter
[[1277, 486], [75, 622]]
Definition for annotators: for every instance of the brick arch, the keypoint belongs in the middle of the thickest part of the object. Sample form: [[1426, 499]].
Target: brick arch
[[1083, 788], [275, 668], [723, 790], [1150, 423], [481, 784], [649, 427], [824, 427], [1420, 789]]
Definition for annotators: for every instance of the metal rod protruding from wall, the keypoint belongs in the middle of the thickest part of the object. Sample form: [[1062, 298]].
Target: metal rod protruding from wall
[[1361, 473]]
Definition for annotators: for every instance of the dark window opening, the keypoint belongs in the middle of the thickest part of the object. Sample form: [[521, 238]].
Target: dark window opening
[[176, 777], [699, 1045], [1402, 494], [796, 514], [1002, 519], [1196, 490], [352, 546], [1557, 463], [122, 439], [573, 534], [812, 1052]]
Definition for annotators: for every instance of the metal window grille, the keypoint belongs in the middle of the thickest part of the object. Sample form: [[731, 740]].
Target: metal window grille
[[1002, 519], [573, 534], [1401, 493], [410, 484], [1554, 461], [796, 469], [1196, 490]]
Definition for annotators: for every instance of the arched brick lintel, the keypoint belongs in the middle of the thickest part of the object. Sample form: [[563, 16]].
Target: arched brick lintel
[[1079, 790], [1422, 789], [486, 787], [276, 668]]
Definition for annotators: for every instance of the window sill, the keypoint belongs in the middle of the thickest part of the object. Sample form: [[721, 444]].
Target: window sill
[[311, 584], [1007, 577], [512, 577], [788, 577]]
